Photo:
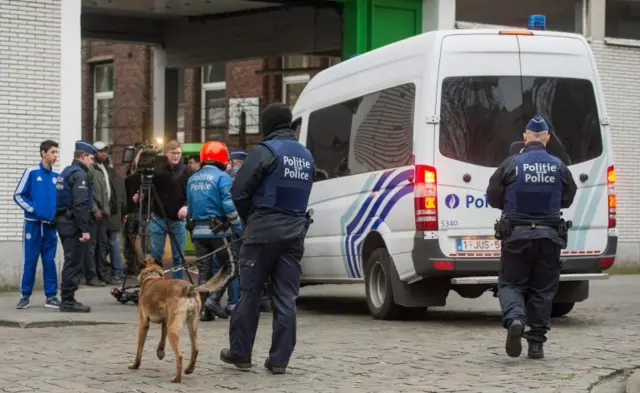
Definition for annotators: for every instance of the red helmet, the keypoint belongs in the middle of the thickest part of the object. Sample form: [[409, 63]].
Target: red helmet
[[214, 151]]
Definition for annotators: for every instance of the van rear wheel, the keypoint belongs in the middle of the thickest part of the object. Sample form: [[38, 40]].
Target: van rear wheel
[[561, 309], [379, 289]]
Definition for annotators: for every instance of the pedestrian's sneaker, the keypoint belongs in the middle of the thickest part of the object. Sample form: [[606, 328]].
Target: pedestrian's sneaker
[[206, 315], [536, 350], [95, 282], [513, 346], [52, 302], [215, 307], [274, 369], [73, 306], [23, 303], [229, 358]]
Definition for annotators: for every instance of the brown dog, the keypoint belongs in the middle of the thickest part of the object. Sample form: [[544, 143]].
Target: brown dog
[[172, 303]]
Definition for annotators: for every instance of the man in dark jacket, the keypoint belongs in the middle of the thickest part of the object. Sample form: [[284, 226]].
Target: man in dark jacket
[[118, 216], [271, 192], [170, 184]]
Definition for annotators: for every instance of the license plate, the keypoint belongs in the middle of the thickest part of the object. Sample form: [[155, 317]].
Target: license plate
[[481, 244]]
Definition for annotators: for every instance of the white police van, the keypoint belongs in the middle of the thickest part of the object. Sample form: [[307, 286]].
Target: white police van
[[405, 139]]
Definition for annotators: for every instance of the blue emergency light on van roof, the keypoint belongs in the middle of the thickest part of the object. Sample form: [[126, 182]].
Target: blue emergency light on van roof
[[537, 22]]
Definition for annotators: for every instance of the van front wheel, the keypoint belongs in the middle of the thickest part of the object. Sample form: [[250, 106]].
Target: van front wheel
[[379, 289]]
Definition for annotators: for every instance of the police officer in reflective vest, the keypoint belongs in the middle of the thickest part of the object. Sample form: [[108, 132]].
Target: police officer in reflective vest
[[530, 188], [209, 206], [271, 192], [74, 201]]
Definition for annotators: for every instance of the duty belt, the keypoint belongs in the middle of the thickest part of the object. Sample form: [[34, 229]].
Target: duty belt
[[534, 226]]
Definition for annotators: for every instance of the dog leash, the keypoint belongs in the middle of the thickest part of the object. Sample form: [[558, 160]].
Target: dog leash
[[209, 255]]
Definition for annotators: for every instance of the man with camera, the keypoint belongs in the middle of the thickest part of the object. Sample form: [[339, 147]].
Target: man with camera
[[170, 184]]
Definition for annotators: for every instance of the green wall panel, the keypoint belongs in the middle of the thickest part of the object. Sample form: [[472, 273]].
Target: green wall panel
[[370, 24]]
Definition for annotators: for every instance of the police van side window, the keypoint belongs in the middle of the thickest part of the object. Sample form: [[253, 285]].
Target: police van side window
[[367, 134], [480, 117]]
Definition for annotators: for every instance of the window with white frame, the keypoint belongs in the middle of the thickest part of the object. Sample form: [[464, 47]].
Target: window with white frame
[[293, 84], [623, 19], [103, 86], [214, 102]]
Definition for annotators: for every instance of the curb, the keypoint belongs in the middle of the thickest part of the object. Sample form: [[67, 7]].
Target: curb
[[57, 323], [633, 383]]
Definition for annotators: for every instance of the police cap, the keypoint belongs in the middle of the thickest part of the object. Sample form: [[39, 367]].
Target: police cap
[[238, 154], [86, 147], [537, 124]]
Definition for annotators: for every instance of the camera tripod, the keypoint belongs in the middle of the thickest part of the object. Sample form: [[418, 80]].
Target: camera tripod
[[147, 196]]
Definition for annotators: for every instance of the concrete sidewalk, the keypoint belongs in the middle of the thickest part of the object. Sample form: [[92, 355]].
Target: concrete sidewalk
[[105, 309]]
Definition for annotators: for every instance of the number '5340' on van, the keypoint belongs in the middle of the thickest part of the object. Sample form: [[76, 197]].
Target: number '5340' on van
[[405, 139]]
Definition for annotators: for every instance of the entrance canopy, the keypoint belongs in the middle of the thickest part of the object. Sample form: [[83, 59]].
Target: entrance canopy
[[194, 33]]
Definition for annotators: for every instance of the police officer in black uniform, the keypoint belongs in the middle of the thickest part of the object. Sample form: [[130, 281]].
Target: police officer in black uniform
[[271, 193], [530, 188], [74, 201]]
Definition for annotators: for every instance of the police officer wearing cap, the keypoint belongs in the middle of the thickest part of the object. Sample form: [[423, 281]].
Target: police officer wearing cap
[[530, 188], [271, 193], [74, 201]]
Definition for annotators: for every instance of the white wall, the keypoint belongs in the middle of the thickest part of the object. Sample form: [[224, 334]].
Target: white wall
[[29, 108], [619, 69]]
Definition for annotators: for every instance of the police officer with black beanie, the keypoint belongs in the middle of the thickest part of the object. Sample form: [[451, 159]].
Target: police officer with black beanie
[[271, 193], [530, 188]]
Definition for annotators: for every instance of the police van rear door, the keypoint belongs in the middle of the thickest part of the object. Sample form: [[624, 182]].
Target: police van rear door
[[566, 97], [479, 106]]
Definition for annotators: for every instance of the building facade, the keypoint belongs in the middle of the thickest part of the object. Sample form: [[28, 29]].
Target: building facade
[[47, 92], [117, 92]]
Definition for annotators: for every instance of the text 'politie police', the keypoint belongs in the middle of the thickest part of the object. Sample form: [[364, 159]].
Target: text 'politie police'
[[539, 172], [294, 168]]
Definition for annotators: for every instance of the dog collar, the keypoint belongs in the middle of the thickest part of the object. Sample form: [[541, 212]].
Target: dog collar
[[151, 273]]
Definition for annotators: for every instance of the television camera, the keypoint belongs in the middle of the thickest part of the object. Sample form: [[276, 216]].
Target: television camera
[[144, 159]]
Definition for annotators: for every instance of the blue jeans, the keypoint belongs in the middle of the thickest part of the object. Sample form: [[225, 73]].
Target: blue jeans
[[114, 254], [233, 288], [158, 232]]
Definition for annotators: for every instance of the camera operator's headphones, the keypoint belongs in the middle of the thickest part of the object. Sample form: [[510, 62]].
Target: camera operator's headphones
[[214, 151]]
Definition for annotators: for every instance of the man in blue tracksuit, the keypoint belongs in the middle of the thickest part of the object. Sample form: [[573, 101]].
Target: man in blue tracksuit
[[208, 205], [36, 195]]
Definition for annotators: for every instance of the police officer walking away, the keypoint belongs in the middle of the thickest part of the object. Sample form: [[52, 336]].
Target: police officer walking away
[[271, 192], [73, 214], [530, 188]]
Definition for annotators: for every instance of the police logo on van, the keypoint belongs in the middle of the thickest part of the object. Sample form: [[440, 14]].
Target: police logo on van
[[452, 201]]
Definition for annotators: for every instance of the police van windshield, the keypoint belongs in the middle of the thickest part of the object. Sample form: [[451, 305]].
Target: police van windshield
[[481, 117]]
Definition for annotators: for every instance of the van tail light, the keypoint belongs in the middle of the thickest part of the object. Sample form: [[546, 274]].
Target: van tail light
[[611, 196], [515, 32], [425, 198]]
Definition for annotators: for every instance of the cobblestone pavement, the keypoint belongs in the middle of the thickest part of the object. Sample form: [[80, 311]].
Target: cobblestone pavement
[[458, 348]]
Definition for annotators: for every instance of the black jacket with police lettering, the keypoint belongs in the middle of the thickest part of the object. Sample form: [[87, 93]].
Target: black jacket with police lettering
[[506, 174], [263, 225]]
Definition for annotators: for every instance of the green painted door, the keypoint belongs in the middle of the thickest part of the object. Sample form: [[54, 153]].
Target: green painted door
[[370, 24]]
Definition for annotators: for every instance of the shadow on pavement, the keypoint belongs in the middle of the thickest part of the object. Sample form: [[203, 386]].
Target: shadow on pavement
[[358, 307]]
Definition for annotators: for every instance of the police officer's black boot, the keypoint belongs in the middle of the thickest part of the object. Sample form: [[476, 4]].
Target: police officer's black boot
[[513, 346], [536, 350], [205, 314], [214, 306], [73, 306]]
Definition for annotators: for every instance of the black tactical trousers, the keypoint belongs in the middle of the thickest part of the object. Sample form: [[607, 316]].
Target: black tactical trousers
[[205, 266], [527, 283], [75, 253], [281, 263]]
